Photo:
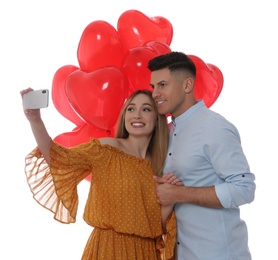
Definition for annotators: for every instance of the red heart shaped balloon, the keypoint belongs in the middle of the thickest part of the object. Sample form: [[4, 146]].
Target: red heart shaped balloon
[[135, 28], [98, 96], [135, 67], [136, 62], [59, 97], [82, 134], [159, 47], [209, 81], [99, 47]]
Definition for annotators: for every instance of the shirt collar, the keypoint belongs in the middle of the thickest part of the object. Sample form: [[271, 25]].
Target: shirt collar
[[188, 113]]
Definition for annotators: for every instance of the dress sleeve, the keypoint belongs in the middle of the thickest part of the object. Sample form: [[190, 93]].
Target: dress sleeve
[[55, 187]]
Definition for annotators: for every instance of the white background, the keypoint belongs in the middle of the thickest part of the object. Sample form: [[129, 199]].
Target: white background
[[38, 37]]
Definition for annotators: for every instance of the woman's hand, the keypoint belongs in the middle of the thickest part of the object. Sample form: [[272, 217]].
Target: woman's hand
[[172, 179], [32, 115]]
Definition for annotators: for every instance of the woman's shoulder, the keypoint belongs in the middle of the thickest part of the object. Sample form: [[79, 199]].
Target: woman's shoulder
[[110, 141]]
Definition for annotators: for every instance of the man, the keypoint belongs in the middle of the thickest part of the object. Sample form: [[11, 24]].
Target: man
[[205, 153]]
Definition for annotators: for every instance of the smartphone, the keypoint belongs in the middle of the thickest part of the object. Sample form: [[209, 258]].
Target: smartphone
[[36, 99]]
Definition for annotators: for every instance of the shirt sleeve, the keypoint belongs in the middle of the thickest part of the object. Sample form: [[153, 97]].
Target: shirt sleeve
[[237, 186]]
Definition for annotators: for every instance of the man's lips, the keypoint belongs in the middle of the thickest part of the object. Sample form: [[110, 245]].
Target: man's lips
[[160, 102]]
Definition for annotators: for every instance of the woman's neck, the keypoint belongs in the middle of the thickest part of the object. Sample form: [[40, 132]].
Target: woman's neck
[[136, 146]]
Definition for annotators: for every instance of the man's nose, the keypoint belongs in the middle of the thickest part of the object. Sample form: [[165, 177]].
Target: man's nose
[[155, 93]]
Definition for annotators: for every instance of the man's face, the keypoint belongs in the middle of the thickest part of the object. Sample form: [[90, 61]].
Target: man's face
[[168, 92]]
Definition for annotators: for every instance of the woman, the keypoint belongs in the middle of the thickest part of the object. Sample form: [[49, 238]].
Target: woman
[[121, 206]]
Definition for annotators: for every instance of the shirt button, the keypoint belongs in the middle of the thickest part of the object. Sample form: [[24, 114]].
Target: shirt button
[[175, 134], [178, 242], [170, 154]]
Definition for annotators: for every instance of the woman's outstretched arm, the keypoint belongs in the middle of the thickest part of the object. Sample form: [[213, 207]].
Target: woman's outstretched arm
[[38, 128]]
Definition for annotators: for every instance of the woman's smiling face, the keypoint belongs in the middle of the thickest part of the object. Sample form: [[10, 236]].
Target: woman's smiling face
[[140, 116]]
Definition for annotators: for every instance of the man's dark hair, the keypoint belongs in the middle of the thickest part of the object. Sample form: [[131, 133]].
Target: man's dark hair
[[173, 61]]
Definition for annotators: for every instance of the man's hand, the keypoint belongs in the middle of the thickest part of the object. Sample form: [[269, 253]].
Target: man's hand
[[166, 187]]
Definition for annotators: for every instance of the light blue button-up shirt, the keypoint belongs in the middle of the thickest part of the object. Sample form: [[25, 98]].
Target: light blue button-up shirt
[[205, 150]]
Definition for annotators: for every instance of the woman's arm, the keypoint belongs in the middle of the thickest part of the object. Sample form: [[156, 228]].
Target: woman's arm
[[38, 128], [166, 210]]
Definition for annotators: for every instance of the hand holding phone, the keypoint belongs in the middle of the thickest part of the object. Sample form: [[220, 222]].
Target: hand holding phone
[[36, 99]]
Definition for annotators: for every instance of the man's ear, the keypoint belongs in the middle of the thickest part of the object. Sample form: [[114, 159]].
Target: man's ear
[[188, 85]]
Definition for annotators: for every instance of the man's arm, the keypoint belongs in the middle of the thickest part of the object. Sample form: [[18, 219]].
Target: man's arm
[[168, 194]]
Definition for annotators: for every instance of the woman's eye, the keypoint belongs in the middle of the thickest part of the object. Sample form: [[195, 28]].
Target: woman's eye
[[147, 109], [130, 109]]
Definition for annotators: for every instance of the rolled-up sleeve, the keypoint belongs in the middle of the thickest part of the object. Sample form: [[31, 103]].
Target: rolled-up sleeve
[[237, 183]]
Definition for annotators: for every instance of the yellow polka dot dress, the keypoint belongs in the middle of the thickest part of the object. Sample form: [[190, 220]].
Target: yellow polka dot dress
[[121, 204]]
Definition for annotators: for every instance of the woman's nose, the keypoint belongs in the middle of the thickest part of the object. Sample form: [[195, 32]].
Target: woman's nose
[[137, 116]]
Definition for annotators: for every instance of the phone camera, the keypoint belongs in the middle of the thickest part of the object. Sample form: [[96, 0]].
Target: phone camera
[[44, 91]]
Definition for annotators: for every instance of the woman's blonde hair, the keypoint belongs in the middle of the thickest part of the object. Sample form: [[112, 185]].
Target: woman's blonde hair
[[159, 141]]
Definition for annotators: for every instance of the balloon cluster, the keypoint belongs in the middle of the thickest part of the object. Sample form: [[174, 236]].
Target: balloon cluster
[[112, 64]]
